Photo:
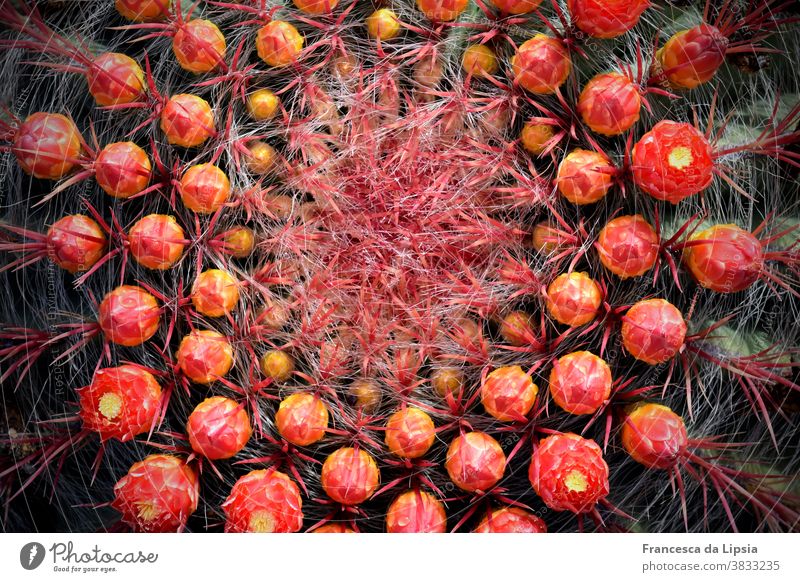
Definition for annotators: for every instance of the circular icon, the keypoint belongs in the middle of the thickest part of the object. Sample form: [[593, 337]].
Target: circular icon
[[31, 555]]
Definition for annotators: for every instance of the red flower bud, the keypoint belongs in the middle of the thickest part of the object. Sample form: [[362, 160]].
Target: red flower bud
[[442, 10], [692, 57], [187, 120], [511, 520], [120, 402], [416, 512], [653, 435], [115, 78], [609, 104], [606, 18], [628, 246], [129, 315], [75, 243], [541, 64], [724, 258], [157, 495], [264, 501], [205, 355], [143, 10], [47, 145], [653, 331], [218, 428], [516, 6], [122, 169], [580, 382], [673, 161], [568, 472]]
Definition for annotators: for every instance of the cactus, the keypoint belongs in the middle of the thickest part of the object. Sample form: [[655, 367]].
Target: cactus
[[405, 266]]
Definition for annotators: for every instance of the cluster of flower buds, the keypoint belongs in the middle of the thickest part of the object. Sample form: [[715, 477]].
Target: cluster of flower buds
[[389, 257]]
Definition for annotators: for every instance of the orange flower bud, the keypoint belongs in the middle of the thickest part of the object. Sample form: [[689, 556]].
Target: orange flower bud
[[302, 419], [143, 10], [204, 188], [410, 433], [475, 462], [239, 241], [156, 241], [447, 380], [508, 393], [262, 104], [316, 6], [383, 24], [535, 137], [516, 6], [279, 43], [654, 435], [541, 64], [277, 365], [367, 395], [187, 120], [511, 520], [573, 299], [628, 246], [479, 61], [584, 176], [199, 46], [515, 328], [205, 355], [350, 476], [215, 293]]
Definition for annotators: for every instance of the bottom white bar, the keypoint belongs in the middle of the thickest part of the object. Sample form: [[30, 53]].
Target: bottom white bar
[[385, 558]]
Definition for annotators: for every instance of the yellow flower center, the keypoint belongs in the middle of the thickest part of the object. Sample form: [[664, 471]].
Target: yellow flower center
[[576, 481], [148, 510], [110, 405], [680, 157], [262, 522]]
